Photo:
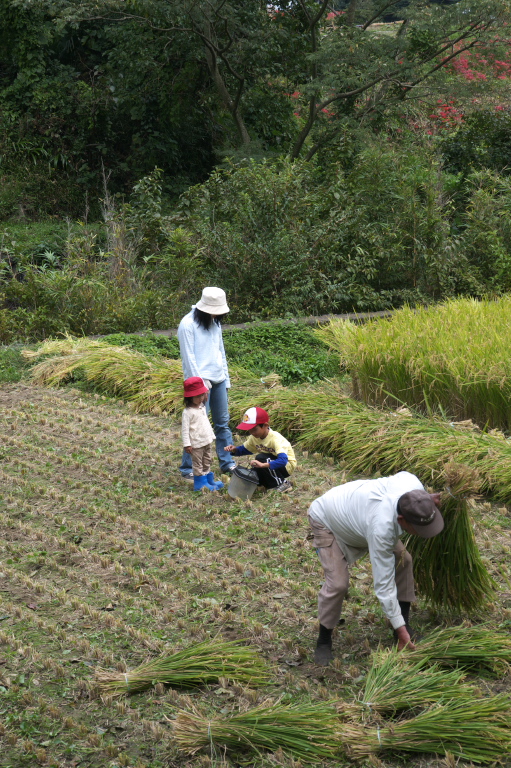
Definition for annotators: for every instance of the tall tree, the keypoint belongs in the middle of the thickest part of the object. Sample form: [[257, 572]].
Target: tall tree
[[339, 62]]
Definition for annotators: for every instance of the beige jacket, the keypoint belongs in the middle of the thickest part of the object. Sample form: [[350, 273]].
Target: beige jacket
[[196, 429]]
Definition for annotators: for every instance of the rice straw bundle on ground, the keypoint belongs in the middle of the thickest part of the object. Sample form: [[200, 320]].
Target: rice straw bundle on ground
[[448, 568], [368, 440], [395, 683], [152, 384], [119, 371], [305, 731], [196, 665], [478, 730], [477, 647], [68, 345]]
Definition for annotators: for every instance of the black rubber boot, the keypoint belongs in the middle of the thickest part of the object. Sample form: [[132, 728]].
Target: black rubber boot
[[323, 651], [405, 610], [405, 613]]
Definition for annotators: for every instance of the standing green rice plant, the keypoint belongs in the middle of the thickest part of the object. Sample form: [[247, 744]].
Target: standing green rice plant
[[477, 729], [305, 731], [454, 356], [195, 665]]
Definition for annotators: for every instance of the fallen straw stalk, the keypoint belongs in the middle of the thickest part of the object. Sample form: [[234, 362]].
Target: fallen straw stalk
[[195, 665], [395, 683], [305, 731], [478, 730], [151, 384], [367, 439], [478, 647]]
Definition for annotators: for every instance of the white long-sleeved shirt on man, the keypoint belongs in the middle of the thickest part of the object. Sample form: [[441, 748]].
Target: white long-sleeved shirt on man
[[362, 515], [202, 352]]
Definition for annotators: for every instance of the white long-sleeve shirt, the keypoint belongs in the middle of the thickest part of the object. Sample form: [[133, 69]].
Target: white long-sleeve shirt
[[362, 515], [202, 352]]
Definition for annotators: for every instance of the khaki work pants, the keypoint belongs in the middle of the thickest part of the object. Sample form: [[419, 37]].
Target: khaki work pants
[[336, 582], [201, 460]]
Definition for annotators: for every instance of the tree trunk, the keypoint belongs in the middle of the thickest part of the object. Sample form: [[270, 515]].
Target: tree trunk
[[229, 103]]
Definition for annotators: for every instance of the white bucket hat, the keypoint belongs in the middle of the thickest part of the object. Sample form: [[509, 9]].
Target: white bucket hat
[[213, 301]]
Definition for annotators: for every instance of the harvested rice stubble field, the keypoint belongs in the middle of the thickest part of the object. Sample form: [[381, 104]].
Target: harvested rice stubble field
[[107, 558]]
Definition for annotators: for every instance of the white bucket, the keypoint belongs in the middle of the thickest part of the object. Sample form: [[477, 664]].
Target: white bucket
[[243, 483]]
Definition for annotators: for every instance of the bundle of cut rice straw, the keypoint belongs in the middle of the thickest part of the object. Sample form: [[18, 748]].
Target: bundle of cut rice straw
[[305, 731], [469, 647], [477, 729], [195, 665], [396, 683], [448, 568]]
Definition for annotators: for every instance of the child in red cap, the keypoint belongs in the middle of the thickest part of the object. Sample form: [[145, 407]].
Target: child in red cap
[[198, 435], [275, 459]]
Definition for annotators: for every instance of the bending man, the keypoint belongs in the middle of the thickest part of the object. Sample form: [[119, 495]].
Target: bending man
[[370, 516]]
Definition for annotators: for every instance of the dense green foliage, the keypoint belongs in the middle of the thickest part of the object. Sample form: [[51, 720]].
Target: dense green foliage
[[370, 234], [482, 141], [12, 364], [284, 239], [109, 90], [342, 191], [75, 98]]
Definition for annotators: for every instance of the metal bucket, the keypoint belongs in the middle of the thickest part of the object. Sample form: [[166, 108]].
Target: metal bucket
[[243, 483]]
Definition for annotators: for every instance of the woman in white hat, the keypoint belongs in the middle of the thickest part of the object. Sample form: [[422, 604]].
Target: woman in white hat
[[202, 354]]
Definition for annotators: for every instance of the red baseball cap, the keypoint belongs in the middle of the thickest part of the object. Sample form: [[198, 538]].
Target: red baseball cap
[[195, 386], [253, 417]]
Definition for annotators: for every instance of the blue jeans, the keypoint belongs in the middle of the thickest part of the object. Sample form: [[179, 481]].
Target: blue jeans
[[219, 407]]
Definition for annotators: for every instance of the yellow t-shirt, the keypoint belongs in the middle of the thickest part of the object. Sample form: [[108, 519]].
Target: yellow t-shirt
[[274, 443]]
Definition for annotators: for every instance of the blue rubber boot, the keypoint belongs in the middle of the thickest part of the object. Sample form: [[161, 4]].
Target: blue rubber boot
[[200, 482], [216, 484]]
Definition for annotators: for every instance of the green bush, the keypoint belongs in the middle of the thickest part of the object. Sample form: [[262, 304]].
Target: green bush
[[288, 240], [12, 364], [483, 141], [149, 343], [292, 351], [486, 233]]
